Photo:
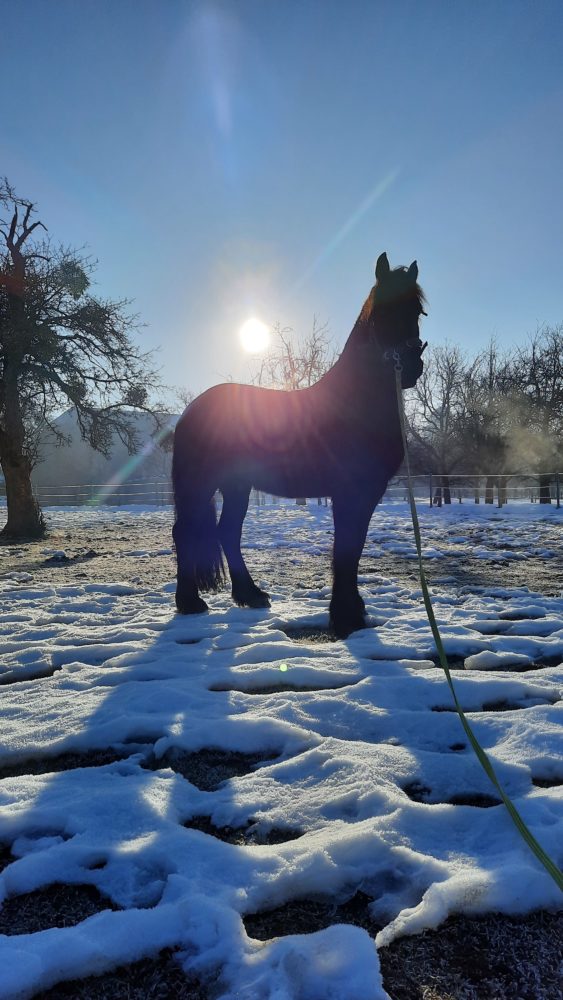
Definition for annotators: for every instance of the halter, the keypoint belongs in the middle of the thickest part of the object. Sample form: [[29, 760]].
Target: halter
[[395, 354]]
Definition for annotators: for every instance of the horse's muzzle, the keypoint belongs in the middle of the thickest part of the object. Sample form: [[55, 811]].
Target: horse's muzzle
[[408, 358]]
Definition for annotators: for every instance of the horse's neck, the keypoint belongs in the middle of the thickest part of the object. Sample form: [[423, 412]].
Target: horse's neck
[[361, 375], [362, 355], [360, 333]]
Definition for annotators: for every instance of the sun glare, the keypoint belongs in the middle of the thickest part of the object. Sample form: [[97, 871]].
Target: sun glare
[[254, 335]]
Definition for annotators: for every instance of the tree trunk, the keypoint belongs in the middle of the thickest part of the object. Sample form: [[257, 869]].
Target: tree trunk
[[489, 489], [446, 487], [25, 519], [545, 488], [24, 515]]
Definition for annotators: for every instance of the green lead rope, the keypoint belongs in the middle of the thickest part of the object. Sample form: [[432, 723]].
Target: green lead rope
[[523, 830]]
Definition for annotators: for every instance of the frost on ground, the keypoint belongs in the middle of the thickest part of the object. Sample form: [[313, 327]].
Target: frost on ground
[[204, 782]]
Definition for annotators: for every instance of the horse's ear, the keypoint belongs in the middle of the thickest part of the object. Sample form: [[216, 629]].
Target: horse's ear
[[382, 267], [413, 272]]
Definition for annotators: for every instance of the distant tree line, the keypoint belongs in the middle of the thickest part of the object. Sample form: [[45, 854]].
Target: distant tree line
[[496, 413]]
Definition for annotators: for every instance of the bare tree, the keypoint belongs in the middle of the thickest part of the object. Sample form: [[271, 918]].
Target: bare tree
[[537, 427], [434, 409], [164, 432], [295, 362], [485, 415], [501, 411], [181, 397], [59, 345]]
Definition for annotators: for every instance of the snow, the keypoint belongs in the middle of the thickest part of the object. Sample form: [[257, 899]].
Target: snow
[[361, 752]]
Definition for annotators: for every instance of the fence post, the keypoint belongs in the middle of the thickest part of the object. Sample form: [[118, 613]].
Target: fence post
[[557, 491], [430, 489]]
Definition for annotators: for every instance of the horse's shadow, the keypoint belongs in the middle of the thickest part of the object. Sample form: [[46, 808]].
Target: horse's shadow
[[135, 770]]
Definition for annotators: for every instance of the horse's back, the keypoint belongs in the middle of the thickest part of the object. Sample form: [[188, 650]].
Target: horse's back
[[243, 418], [248, 434], [290, 443]]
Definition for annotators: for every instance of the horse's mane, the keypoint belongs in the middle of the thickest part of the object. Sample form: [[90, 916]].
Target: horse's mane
[[396, 288]]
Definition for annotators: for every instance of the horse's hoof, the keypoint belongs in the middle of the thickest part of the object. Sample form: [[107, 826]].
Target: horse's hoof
[[190, 606], [260, 600], [342, 630], [252, 599], [344, 624]]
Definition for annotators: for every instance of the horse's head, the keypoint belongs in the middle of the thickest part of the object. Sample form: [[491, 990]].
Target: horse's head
[[392, 314]]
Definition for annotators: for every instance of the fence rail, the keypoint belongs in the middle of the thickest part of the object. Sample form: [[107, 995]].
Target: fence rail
[[428, 488], [155, 493], [501, 488]]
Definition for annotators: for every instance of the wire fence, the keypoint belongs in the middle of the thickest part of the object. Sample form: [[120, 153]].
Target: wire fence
[[156, 493], [497, 488], [428, 488]]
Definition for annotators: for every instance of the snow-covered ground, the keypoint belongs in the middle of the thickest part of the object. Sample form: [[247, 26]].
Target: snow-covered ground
[[356, 760]]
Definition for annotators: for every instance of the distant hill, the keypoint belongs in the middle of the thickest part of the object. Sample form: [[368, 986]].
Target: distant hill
[[77, 464]]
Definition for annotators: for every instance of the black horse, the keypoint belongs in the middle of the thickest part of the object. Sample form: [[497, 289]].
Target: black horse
[[340, 438]]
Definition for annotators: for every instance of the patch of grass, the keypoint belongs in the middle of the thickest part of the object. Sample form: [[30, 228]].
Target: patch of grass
[[6, 856], [159, 978], [552, 782], [495, 957], [309, 633], [208, 768], [55, 905], [419, 792], [305, 916], [248, 835], [63, 762], [287, 686]]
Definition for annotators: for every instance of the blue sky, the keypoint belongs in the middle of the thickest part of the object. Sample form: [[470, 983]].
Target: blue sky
[[223, 159]]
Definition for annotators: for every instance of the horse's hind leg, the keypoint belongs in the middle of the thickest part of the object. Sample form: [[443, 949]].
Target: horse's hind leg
[[198, 551], [351, 522], [235, 505], [188, 601]]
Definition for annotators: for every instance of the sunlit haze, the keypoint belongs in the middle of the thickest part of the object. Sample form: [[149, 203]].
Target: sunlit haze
[[225, 160]]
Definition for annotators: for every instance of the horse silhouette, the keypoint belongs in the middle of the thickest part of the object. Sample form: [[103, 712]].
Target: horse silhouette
[[339, 438]]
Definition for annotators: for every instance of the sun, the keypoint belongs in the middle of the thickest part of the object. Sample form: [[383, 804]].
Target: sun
[[254, 335]]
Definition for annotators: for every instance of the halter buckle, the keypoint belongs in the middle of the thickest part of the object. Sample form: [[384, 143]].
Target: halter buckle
[[393, 355]]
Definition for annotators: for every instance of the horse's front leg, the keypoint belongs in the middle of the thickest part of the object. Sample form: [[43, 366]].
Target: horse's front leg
[[244, 590], [351, 516]]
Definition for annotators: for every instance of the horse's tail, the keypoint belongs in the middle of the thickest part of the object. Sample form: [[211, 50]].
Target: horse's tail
[[198, 549]]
